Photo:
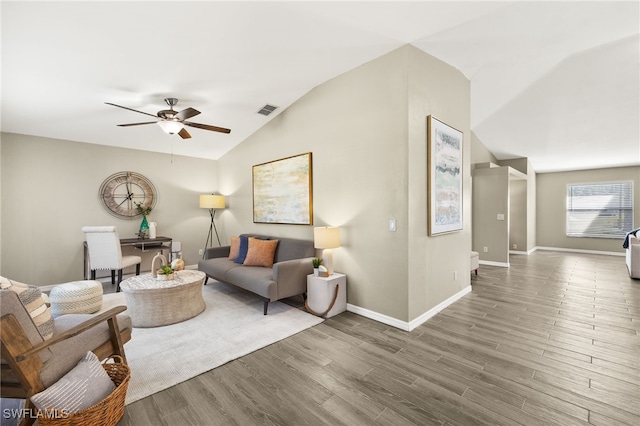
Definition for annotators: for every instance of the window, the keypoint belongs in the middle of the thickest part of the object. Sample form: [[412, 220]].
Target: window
[[601, 210]]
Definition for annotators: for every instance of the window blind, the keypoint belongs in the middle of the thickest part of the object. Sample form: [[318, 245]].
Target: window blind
[[601, 210]]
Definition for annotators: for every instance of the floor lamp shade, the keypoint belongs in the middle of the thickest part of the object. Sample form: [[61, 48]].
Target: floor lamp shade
[[326, 238], [212, 202]]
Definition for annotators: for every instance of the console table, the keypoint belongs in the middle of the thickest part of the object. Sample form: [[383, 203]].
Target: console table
[[144, 244]]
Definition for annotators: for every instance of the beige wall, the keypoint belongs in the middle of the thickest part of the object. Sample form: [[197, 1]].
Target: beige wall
[[532, 209], [368, 140], [518, 215], [491, 197], [551, 207], [510, 190], [438, 265], [523, 203], [355, 127], [519, 164], [479, 152], [50, 190]]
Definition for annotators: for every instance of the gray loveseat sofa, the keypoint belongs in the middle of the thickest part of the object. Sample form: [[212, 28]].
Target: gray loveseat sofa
[[287, 277]]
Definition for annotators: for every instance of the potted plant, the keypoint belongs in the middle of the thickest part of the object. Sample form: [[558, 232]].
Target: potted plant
[[165, 273], [144, 210], [316, 264]]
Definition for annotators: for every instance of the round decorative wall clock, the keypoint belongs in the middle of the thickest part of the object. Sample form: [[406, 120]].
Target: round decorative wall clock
[[121, 192]]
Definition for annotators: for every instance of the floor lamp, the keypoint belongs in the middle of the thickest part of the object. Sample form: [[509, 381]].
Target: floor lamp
[[212, 202]]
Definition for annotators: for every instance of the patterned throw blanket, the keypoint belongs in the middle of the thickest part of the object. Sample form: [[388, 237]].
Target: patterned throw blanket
[[625, 244]]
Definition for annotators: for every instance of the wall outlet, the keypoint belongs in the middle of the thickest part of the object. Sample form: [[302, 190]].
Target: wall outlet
[[201, 252], [500, 216], [485, 249], [515, 246]]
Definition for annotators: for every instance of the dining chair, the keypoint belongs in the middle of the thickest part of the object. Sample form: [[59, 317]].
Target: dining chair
[[105, 252]]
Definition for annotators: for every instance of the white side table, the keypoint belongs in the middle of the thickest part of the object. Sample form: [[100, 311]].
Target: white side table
[[321, 292]]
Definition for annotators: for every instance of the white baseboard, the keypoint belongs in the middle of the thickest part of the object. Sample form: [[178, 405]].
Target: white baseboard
[[492, 263], [431, 312], [527, 253], [394, 322], [404, 325], [572, 250]]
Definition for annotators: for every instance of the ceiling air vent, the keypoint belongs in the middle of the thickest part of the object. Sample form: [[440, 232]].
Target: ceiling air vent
[[267, 109]]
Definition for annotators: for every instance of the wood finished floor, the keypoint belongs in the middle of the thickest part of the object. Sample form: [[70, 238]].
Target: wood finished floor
[[551, 340]]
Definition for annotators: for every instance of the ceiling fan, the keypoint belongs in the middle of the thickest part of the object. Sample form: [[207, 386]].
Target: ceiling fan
[[173, 121]]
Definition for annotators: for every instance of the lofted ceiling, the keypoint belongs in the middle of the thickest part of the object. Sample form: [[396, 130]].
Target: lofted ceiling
[[557, 82]]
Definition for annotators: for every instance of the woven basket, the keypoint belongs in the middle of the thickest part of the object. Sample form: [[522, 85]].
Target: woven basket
[[109, 411]]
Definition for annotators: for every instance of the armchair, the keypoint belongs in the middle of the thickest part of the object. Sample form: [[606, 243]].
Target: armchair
[[30, 363], [633, 256]]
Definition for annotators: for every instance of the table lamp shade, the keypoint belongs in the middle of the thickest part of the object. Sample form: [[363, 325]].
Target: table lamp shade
[[326, 238], [212, 202]]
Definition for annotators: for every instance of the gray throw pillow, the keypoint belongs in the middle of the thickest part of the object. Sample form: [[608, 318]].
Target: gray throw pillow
[[87, 384]]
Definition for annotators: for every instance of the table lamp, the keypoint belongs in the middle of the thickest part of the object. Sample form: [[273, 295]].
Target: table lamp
[[327, 238], [212, 202]]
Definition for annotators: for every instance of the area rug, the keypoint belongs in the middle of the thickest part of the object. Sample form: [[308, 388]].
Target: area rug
[[231, 326]]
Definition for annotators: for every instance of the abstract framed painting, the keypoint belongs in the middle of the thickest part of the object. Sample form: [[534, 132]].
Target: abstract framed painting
[[444, 159], [283, 191]]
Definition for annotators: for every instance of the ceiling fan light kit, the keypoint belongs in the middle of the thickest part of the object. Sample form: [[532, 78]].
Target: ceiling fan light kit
[[172, 121], [171, 127]]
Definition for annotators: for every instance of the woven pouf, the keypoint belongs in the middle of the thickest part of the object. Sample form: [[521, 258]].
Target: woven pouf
[[78, 297]]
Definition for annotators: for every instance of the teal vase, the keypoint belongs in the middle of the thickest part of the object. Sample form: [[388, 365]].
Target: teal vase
[[144, 227]]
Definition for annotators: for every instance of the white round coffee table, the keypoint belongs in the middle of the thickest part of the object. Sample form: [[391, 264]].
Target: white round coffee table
[[153, 303]]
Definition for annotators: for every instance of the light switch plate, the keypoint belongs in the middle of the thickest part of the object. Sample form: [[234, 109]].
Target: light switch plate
[[500, 216], [392, 225]]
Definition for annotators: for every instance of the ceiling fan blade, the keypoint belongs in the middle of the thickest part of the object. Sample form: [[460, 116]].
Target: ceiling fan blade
[[186, 113], [207, 127], [130, 109], [137, 124], [184, 134]]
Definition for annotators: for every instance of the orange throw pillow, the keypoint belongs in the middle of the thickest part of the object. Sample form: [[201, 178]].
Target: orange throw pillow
[[235, 248], [261, 252]]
